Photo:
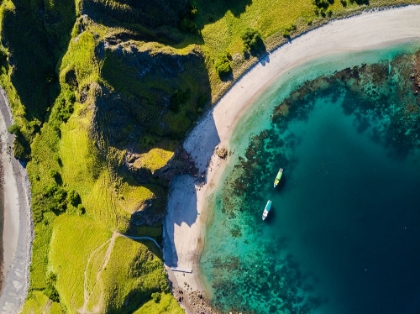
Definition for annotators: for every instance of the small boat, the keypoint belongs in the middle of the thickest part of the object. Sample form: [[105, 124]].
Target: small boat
[[278, 177], [266, 210]]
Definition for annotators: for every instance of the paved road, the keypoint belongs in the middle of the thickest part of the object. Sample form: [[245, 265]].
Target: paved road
[[18, 228]]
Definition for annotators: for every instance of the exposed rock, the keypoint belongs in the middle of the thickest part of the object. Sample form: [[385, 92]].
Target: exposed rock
[[221, 152]]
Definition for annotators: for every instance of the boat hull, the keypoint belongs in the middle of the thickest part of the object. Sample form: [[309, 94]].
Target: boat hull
[[278, 177], [266, 210]]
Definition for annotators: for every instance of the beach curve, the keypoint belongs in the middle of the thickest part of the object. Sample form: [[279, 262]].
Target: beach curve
[[187, 215], [18, 227]]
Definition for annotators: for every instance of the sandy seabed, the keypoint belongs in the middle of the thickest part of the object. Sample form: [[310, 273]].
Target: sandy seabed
[[188, 210]]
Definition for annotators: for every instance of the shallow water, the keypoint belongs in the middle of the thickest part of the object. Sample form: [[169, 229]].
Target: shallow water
[[344, 232]]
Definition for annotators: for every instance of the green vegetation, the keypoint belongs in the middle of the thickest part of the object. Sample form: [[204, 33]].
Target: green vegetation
[[155, 159], [106, 80], [222, 65], [165, 305], [252, 41]]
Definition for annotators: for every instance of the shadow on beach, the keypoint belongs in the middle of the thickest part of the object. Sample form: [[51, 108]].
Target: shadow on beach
[[181, 235], [182, 209]]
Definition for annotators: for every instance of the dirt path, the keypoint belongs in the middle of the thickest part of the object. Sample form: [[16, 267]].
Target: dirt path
[[111, 243], [86, 294]]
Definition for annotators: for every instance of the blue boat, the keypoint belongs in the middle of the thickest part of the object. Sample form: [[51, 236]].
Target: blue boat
[[266, 210]]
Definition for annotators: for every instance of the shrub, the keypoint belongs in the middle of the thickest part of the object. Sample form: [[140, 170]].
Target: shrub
[[156, 297], [56, 176], [37, 213], [73, 198], [343, 3], [51, 292], [3, 56], [322, 4], [56, 198], [14, 129], [81, 210], [21, 148], [53, 173], [329, 12], [222, 65], [289, 29], [252, 40]]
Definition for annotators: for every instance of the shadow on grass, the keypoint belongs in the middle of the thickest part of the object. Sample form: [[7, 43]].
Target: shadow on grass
[[208, 14], [142, 20], [148, 86]]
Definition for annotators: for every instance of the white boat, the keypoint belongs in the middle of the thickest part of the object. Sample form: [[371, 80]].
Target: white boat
[[266, 210]]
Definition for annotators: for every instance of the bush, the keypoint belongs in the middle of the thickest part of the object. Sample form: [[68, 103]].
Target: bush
[[3, 56], [329, 12], [21, 148], [289, 29], [56, 198], [222, 65], [51, 292], [343, 3], [322, 4], [73, 198], [252, 40], [14, 129], [81, 210], [156, 297]]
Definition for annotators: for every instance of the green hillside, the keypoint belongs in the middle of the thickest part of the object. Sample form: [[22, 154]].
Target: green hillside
[[103, 94]]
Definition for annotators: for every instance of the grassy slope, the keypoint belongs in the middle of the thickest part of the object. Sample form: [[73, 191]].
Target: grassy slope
[[90, 162]]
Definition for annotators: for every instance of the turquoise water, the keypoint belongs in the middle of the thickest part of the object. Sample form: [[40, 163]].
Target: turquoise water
[[344, 232]]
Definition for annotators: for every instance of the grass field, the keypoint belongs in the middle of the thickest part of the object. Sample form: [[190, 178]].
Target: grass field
[[86, 91]]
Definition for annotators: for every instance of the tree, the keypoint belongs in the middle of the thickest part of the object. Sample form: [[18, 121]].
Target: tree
[[252, 40], [223, 66]]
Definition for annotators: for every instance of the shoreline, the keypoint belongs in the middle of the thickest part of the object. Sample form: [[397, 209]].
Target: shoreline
[[188, 212], [18, 226]]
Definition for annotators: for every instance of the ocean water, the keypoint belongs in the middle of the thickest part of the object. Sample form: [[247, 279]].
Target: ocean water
[[343, 235]]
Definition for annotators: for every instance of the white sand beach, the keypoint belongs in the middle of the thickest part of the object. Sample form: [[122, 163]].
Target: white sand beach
[[187, 214], [18, 231]]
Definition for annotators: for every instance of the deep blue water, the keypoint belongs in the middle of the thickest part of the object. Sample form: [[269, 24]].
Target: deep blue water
[[344, 233]]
